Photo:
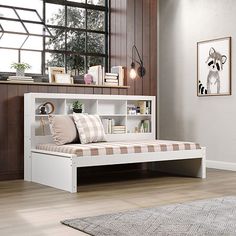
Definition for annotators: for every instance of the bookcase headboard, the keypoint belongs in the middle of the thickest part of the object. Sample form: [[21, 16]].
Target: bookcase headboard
[[124, 117]]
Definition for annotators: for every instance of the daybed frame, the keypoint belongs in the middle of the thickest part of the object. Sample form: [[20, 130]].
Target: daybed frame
[[59, 170]]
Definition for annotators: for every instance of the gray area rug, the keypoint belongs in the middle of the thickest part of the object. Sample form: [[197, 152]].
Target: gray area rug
[[216, 217]]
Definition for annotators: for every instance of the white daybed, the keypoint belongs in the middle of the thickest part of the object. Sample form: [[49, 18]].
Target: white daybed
[[56, 166]]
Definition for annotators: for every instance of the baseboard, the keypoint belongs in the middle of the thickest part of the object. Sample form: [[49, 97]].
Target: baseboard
[[221, 165]]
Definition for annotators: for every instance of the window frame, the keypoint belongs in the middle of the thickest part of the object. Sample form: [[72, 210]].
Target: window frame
[[65, 52]]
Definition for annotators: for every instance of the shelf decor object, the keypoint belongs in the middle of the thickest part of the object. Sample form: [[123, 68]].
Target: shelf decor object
[[141, 70], [20, 68]]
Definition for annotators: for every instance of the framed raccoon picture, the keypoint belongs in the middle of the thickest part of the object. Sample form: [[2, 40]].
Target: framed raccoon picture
[[214, 67]]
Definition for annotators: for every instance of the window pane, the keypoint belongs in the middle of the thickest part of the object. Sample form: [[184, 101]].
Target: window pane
[[34, 59], [54, 59], [12, 26], [34, 42], [34, 28], [37, 4], [57, 42], [76, 17], [96, 43], [7, 12], [10, 56], [97, 2], [28, 15], [76, 41], [75, 65], [94, 61], [12, 40], [55, 14], [96, 20]]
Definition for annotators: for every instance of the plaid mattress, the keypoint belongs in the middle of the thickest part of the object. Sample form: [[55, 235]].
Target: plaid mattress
[[110, 148]]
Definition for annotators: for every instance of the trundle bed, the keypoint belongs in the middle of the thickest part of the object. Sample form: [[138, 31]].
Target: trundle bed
[[56, 166]]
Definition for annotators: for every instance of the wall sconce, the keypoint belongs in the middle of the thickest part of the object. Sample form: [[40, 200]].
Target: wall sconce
[[141, 70]]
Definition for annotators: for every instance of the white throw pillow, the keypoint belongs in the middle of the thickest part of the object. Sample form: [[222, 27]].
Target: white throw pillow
[[89, 127]]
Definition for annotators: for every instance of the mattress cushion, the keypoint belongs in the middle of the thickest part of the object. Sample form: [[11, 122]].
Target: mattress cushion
[[126, 147]]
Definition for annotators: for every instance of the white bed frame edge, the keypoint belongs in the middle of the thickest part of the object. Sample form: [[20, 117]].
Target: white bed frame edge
[[59, 170]]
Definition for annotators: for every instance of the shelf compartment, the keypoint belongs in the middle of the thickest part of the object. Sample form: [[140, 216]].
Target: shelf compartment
[[89, 105], [113, 107], [59, 105], [144, 105], [41, 126], [134, 124]]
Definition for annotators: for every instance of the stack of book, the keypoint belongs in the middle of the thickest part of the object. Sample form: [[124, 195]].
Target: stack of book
[[119, 70], [111, 79], [22, 79], [119, 129], [115, 78]]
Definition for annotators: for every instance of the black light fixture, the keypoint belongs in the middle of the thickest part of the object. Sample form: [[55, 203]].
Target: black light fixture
[[141, 70]]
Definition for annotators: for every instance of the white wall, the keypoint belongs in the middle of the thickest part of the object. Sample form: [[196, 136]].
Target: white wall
[[211, 121]]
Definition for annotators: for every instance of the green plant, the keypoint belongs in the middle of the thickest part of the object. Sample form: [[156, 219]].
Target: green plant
[[77, 105], [20, 66]]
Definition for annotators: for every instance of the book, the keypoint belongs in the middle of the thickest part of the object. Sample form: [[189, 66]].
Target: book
[[20, 81], [108, 124], [111, 81], [111, 84], [112, 74], [142, 106], [120, 71], [111, 77], [21, 78]]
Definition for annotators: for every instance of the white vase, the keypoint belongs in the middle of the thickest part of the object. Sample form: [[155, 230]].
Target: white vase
[[20, 72]]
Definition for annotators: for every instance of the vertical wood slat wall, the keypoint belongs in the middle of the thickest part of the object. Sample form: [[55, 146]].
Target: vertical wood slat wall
[[132, 21], [135, 22]]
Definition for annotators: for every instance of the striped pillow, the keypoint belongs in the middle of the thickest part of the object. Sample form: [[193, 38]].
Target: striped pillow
[[89, 127]]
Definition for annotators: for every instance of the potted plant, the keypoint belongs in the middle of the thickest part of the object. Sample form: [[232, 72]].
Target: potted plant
[[20, 68], [77, 107]]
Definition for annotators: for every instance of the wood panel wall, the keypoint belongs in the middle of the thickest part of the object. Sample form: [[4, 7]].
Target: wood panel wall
[[135, 22], [132, 22]]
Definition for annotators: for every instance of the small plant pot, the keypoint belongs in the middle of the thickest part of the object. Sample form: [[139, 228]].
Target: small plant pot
[[77, 110], [20, 72]]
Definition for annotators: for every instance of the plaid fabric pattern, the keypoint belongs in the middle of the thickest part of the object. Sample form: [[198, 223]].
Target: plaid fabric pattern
[[110, 148], [89, 127]]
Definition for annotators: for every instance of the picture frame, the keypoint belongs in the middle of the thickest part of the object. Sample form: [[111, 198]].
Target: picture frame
[[63, 79], [52, 71], [214, 67]]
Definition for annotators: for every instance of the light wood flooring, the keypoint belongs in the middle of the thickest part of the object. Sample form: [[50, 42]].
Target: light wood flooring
[[32, 209]]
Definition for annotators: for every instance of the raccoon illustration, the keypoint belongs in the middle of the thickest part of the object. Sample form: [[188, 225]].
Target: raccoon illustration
[[215, 64], [201, 88]]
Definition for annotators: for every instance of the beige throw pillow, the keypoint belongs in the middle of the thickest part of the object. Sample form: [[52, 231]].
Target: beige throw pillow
[[89, 127], [63, 129]]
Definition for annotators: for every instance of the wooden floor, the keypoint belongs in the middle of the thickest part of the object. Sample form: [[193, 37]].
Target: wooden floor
[[32, 209]]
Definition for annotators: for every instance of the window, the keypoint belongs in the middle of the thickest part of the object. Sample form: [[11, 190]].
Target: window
[[72, 34]]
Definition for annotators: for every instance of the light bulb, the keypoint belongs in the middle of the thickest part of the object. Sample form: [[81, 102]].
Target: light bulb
[[132, 73]]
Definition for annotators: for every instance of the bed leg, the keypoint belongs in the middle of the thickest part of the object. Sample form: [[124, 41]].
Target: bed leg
[[74, 177]]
